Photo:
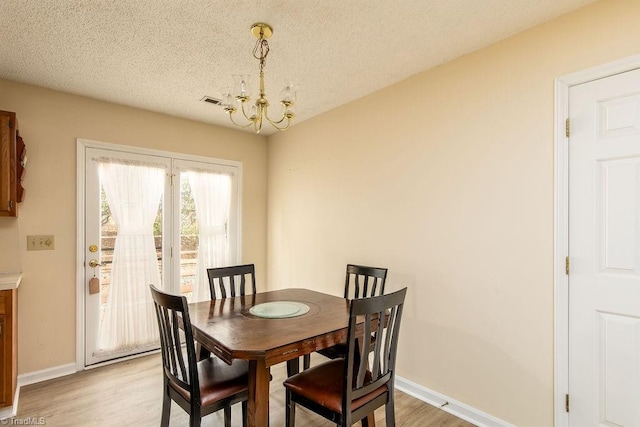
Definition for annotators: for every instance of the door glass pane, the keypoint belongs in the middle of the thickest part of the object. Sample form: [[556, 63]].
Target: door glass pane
[[188, 238]]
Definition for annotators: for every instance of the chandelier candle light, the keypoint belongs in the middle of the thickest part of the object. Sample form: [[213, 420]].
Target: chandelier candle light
[[258, 112]]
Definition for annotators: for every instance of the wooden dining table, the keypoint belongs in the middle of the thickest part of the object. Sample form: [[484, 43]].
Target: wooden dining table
[[228, 329]]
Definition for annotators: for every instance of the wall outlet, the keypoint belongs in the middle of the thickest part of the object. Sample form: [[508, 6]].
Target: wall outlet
[[41, 243]]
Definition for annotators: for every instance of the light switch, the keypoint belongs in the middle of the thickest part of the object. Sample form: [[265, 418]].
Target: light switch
[[41, 243]]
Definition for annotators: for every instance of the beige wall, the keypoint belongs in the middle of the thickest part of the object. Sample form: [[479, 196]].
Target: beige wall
[[50, 122], [447, 179]]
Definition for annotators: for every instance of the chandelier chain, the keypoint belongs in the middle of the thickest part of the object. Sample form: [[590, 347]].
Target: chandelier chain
[[262, 46]]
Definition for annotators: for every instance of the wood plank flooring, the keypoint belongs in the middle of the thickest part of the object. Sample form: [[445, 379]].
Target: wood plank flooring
[[130, 393]]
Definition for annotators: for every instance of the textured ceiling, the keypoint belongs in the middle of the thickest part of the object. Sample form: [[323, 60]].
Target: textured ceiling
[[165, 55]]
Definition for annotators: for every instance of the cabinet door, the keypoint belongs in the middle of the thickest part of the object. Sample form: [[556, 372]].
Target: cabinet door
[[8, 202]]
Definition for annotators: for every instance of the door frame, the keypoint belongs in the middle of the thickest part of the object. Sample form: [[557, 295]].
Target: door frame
[[561, 223], [82, 145]]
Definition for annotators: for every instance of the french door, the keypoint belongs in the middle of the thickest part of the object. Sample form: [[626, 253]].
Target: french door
[[149, 218]]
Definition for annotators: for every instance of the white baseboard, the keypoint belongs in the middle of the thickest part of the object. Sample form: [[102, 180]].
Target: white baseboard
[[46, 374], [452, 406], [10, 411], [32, 378]]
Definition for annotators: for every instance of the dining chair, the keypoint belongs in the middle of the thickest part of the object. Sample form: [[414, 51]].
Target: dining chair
[[228, 281], [347, 390], [198, 387], [231, 281], [360, 282]]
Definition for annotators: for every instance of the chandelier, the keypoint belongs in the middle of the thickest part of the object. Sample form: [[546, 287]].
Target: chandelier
[[238, 99]]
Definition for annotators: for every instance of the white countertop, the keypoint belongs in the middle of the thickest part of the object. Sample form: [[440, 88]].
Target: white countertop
[[9, 281]]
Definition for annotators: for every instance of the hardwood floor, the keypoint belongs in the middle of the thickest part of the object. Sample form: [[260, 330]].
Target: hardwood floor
[[130, 393]]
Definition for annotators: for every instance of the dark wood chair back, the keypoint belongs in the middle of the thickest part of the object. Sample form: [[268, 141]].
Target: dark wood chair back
[[231, 281], [222, 385], [364, 282], [347, 390], [172, 311]]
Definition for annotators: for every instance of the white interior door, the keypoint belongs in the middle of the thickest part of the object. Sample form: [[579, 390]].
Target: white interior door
[[604, 249]]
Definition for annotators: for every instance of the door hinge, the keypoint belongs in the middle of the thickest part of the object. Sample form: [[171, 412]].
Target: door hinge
[[566, 402], [566, 265], [567, 128], [10, 204]]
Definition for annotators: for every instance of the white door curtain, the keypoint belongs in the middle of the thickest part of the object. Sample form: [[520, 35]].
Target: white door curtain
[[133, 191], [212, 198]]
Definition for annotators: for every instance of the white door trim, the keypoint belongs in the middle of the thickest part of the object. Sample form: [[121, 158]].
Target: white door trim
[[561, 220], [82, 145]]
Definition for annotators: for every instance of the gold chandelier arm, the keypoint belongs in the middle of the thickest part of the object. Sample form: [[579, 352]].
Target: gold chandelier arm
[[244, 112], [275, 124], [240, 125], [284, 127]]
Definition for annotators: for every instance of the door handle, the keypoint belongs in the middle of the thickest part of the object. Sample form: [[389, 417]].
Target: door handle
[[93, 264]]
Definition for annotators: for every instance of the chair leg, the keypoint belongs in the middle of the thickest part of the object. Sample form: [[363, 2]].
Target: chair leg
[[244, 414], [166, 409], [290, 411], [195, 418], [390, 413], [227, 416]]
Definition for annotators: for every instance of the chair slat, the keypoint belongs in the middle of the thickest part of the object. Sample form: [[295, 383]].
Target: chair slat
[[177, 348], [366, 344], [356, 290], [379, 327]]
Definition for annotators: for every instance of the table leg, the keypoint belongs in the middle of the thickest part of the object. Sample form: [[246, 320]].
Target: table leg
[[293, 366], [201, 352], [258, 405]]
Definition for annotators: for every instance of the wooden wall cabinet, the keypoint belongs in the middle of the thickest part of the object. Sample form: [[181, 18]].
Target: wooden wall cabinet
[[12, 162], [8, 346]]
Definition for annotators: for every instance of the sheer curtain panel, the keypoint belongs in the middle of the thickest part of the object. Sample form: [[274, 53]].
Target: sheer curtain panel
[[133, 192], [212, 198]]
